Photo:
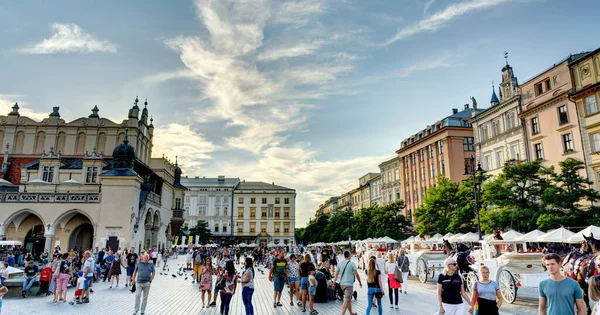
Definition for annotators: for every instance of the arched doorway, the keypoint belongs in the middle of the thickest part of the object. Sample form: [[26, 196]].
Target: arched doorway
[[148, 226], [82, 237], [35, 240], [155, 229]]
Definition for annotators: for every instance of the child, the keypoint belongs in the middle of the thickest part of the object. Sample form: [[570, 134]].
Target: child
[[3, 291], [312, 288], [79, 288]]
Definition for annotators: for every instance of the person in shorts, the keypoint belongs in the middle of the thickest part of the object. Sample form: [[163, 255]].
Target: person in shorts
[[278, 274], [346, 271], [303, 269], [312, 289], [79, 289], [197, 265], [294, 280], [132, 259]]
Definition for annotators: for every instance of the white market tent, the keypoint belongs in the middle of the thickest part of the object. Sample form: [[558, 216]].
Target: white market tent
[[559, 235], [252, 245], [271, 245], [436, 238], [590, 230], [511, 235], [455, 238], [469, 237], [9, 243], [447, 236], [531, 236], [387, 240], [319, 244]]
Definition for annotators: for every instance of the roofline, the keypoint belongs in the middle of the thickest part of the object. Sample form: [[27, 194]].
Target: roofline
[[590, 53], [566, 59], [432, 134]]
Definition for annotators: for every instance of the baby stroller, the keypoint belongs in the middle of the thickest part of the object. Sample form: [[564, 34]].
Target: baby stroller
[[45, 279]]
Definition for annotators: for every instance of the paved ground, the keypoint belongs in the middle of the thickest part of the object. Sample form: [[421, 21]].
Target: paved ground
[[177, 296]]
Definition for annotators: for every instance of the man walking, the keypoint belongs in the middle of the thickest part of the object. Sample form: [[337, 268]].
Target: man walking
[[558, 293], [132, 260], [347, 272], [88, 272], [145, 274], [278, 274]]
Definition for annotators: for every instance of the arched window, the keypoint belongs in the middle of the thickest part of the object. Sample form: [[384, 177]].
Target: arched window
[[40, 139], [80, 143], [101, 146], [121, 138], [19, 142], [60, 142]]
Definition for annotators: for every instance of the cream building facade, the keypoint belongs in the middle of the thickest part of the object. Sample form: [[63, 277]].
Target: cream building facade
[[264, 213], [68, 191], [498, 130], [375, 187], [211, 200], [391, 190], [585, 73], [550, 117]]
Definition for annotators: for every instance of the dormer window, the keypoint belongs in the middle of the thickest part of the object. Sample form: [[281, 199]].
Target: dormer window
[[48, 173], [91, 175]]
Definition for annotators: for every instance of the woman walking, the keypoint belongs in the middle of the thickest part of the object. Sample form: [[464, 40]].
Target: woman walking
[[487, 298], [206, 273], [230, 286], [115, 269], [64, 274], [165, 257], [247, 282], [393, 285], [304, 266], [450, 290], [374, 285], [403, 264], [293, 276]]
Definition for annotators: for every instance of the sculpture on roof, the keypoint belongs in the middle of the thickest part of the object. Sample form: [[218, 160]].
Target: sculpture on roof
[[474, 101], [55, 111]]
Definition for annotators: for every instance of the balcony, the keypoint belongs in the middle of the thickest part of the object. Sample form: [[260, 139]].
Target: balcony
[[154, 198], [44, 197]]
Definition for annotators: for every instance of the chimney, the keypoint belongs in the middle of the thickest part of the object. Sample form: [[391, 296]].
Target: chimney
[[454, 111], [466, 106]]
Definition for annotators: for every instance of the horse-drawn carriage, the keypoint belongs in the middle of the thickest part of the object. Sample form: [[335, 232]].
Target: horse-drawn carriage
[[426, 257]]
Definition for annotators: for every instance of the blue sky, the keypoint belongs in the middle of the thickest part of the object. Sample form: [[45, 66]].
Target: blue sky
[[309, 94]]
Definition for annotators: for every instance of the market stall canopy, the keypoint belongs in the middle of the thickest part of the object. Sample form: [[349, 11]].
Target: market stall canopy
[[559, 235], [436, 238], [455, 238], [387, 240], [243, 245], [469, 237], [38, 182], [511, 235], [271, 245], [252, 245], [410, 239], [10, 243], [447, 236], [578, 237], [531, 236], [319, 244]]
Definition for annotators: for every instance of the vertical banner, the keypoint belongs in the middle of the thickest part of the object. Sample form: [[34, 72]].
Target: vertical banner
[[190, 239], [197, 239], [176, 239]]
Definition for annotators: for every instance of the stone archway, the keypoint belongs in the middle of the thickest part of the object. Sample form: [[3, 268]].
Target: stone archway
[[82, 237], [155, 229], [148, 226], [25, 226], [35, 240], [73, 228]]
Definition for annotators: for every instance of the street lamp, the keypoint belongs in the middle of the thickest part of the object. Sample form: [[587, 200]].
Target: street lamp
[[349, 236], [309, 231], [470, 170]]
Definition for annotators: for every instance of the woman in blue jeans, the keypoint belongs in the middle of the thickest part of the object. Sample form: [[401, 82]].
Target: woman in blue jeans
[[374, 285], [247, 282], [228, 291]]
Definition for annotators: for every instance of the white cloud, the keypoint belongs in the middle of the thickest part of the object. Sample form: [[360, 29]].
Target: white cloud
[[179, 140], [7, 101], [68, 38], [297, 14], [427, 5], [440, 19], [290, 51]]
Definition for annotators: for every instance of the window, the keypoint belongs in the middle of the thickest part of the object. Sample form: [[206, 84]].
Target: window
[[224, 228], [483, 133], [277, 229], [264, 201], [218, 199], [431, 151], [277, 213], [202, 199], [263, 228], [286, 201], [432, 170], [440, 145], [499, 159], [568, 142], [596, 142], [252, 201], [563, 117], [468, 144], [202, 210], [286, 213], [217, 210], [286, 228], [535, 125], [422, 154], [225, 211], [240, 228], [216, 228], [252, 213], [422, 172], [442, 168], [389, 176], [241, 200], [414, 158], [510, 120], [397, 174], [177, 203], [252, 229], [539, 89], [590, 105], [225, 199], [487, 162], [539, 152], [496, 127], [548, 85], [414, 175], [91, 175], [187, 199], [514, 151], [263, 212], [48, 173], [240, 214], [277, 201]]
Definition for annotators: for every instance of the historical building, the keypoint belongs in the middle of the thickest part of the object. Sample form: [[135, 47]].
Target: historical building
[[345, 201], [375, 187], [390, 181], [442, 148], [585, 72], [62, 186], [499, 134], [211, 200], [264, 213], [365, 190], [329, 207], [550, 118]]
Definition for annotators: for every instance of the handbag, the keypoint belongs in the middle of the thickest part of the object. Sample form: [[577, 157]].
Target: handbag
[[378, 295], [398, 273]]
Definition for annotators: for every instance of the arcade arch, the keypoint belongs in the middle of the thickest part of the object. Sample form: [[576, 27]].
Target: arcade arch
[[26, 226]]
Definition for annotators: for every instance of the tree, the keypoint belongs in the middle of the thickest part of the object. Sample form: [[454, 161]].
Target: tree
[[202, 231], [563, 196]]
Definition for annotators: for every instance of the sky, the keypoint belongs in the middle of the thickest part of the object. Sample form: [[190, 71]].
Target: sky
[[308, 94]]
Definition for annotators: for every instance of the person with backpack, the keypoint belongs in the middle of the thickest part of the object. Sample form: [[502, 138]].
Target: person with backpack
[[62, 278], [403, 263], [197, 265]]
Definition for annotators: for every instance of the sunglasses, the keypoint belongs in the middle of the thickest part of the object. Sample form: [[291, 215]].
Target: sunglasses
[[453, 264]]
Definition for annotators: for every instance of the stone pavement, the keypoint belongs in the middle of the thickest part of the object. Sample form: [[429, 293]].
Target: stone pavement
[[170, 295]]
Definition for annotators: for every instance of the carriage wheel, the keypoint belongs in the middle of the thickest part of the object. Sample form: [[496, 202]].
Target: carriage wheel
[[470, 279], [508, 286], [422, 270]]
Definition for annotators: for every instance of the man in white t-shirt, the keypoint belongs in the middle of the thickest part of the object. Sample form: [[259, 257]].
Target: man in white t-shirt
[[88, 270], [154, 256]]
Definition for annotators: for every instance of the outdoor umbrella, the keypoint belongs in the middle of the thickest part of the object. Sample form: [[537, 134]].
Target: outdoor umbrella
[[38, 182], [511, 235], [531, 236], [470, 237]]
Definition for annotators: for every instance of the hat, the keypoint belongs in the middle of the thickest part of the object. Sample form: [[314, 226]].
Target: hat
[[80, 273]]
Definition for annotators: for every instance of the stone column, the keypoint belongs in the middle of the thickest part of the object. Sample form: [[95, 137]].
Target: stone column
[[48, 245]]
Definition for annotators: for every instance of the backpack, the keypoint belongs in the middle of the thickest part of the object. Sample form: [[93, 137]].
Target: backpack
[[65, 267], [198, 259]]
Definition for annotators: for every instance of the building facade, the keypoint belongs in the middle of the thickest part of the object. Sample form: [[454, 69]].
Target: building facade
[[66, 190], [211, 200], [375, 187], [264, 213], [391, 190], [498, 130], [585, 72], [550, 118], [440, 149]]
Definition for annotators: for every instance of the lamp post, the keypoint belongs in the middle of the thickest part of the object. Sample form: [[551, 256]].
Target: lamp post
[[470, 170], [309, 231], [349, 236]]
